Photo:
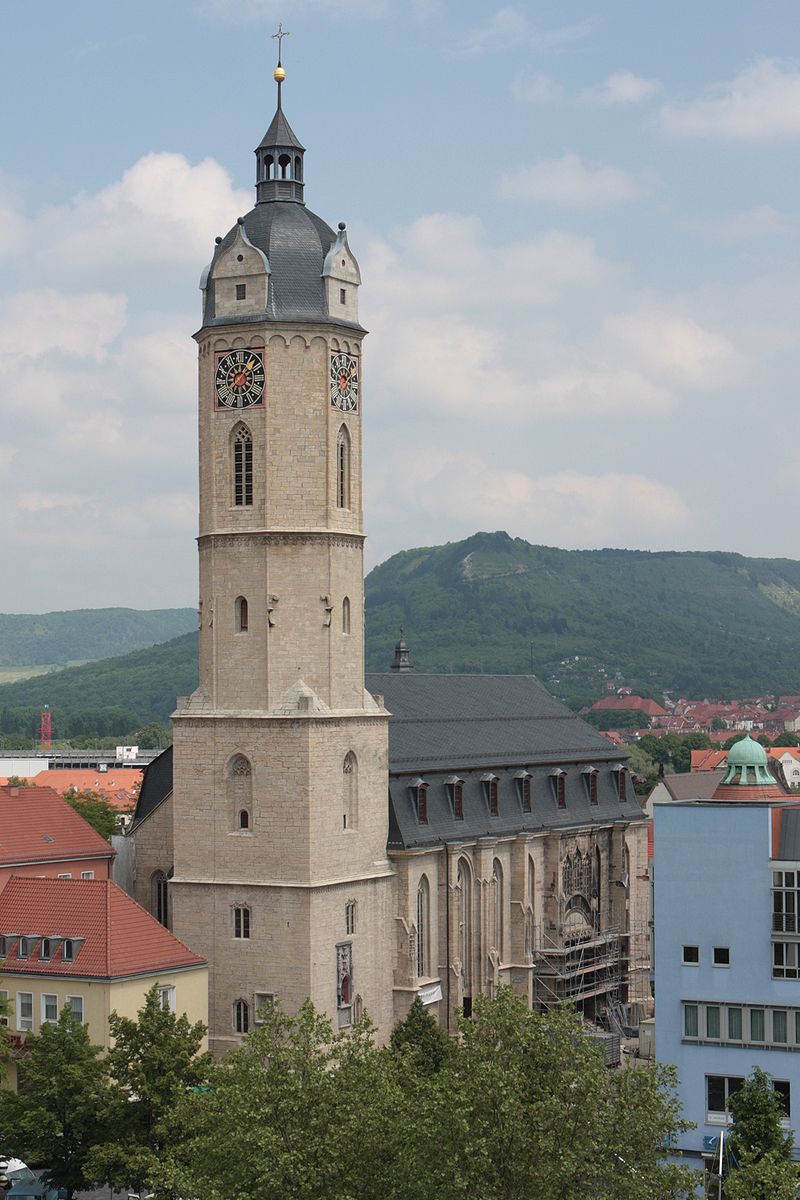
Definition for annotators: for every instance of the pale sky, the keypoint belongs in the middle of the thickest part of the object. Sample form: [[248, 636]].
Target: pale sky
[[577, 225]]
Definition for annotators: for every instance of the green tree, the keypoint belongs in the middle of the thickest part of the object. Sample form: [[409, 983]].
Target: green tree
[[17, 781], [787, 738], [59, 1112], [421, 1036], [152, 736], [643, 766], [96, 809], [757, 1115], [768, 1177], [154, 1060]]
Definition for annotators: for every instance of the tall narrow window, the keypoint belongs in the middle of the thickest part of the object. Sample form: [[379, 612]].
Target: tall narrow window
[[497, 890], [490, 792], [530, 909], [160, 898], [464, 891], [240, 792], [419, 794], [423, 926], [241, 615], [241, 1016], [343, 468], [242, 466], [350, 791], [346, 615], [455, 787], [241, 922]]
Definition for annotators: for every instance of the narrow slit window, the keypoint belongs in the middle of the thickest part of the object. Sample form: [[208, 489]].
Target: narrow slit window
[[346, 615], [343, 469], [342, 296], [241, 615]]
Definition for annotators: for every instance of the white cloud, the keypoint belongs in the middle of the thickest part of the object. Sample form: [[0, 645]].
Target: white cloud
[[38, 323], [676, 349], [537, 89], [162, 210], [622, 88], [761, 221], [509, 26], [569, 181], [258, 10], [761, 104]]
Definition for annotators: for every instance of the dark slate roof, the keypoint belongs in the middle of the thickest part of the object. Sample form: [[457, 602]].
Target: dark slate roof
[[156, 785], [280, 134], [441, 722], [789, 846], [295, 241]]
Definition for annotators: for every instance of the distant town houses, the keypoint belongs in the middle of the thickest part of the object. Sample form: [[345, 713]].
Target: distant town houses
[[719, 719]]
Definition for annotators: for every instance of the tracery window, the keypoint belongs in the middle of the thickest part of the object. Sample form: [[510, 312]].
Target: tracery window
[[241, 922], [242, 466], [497, 903], [241, 1016], [350, 791], [423, 926]]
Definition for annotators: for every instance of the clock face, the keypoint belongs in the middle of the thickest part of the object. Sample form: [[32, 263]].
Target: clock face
[[239, 379], [344, 382]]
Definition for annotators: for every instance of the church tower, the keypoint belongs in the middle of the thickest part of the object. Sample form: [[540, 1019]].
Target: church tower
[[280, 757]]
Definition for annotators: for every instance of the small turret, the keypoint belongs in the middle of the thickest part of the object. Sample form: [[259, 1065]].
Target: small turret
[[402, 656], [279, 156]]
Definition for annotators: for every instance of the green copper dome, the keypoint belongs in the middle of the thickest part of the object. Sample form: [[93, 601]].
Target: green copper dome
[[747, 763]]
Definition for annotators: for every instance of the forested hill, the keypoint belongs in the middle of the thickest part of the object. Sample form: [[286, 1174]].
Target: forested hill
[[701, 624], [706, 623], [56, 638]]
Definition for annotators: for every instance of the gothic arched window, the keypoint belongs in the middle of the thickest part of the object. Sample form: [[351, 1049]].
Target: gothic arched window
[[346, 615], [240, 792], [241, 615], [269, 167], [423, 926], [242, 454], [464, 892], [241, 1016], [244, 819], [285, 165], [343, 468], [497, 903], [350, 791]]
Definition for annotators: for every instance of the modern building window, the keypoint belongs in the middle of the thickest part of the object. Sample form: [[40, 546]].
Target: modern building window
[[343, 468], [241, 1016], [782, 1089], [712, 1022], [241, 922], [241, 614], [691, 955], [719, 1089], [3, 1004], [778, 1025], [785, 887], [49, 1008], [76, 1004], [242, 451], [756, 1025], [690, 1026], [722, 956], [166, 998], [87, 874], [734, 1024], [241, 291], [785, 960], [346, 615], [350, 791], [159, 888], [423, 926], [24, 1011], [350, 917]]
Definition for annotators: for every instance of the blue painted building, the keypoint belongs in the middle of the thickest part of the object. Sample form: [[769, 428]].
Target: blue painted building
[[726, 910]]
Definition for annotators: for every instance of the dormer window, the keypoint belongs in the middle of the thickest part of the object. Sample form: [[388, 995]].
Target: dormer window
[[24, 947], [69, 950], [523, 781], [46, 949], [241, 291], [590, 778], [490, 792], [621, 773], [419, 794], [558, 778], [455, 790]]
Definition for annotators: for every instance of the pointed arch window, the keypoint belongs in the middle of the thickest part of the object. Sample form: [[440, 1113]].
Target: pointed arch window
[[464, 892], [346, 615], [497, 899], [241, 615], [350, 791], [160, 898], [242, 455], [423, 926], [343, 468], [239, 785], [241, 1016]]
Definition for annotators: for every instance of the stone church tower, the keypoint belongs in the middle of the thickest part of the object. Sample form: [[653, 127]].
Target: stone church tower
[[280, 776]]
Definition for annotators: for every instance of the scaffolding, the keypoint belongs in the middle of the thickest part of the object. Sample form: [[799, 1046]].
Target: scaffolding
[[603, 973]]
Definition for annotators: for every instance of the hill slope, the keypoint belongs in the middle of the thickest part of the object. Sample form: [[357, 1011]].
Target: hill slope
[[694, 623], [42, 639]]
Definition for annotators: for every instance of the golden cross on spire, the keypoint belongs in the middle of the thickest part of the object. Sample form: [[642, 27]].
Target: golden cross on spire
[[280, 35]]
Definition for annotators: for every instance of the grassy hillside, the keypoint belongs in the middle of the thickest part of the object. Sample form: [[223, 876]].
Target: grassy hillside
[[56, 638], [699, 624]]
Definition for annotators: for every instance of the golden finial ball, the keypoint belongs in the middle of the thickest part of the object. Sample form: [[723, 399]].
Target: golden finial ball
[[279, 75]]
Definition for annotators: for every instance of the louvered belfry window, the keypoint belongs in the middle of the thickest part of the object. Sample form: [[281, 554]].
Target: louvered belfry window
[[242, 467]]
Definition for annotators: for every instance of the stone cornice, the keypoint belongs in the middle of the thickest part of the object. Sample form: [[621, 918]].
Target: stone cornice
[[281, 537]]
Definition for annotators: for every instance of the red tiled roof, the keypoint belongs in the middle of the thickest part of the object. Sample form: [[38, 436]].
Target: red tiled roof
[[118, 786], [37, 825], [120, 937], [708, 760]]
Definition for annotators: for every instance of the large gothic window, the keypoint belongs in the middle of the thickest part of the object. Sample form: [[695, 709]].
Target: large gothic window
[[464, 894], [240, 791], [497, 906], [241, 1016], [350, 791], [159, 888], [343, 468], [242, 453], [423, 927]]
